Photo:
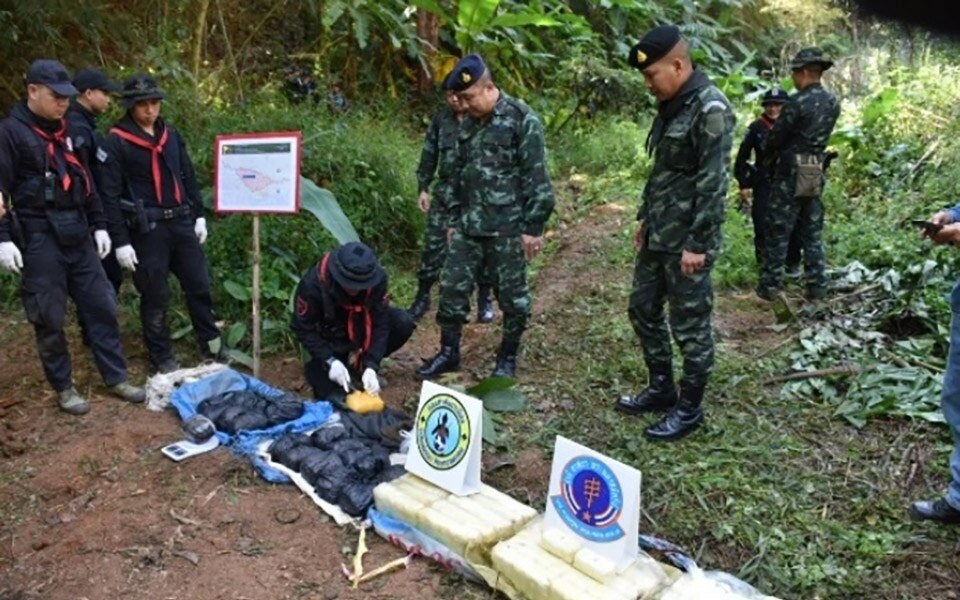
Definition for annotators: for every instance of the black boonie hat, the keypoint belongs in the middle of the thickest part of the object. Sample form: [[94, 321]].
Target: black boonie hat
[[467, 72], [774, 96], [810, 56], [94, 79], [354, 266], [656, 44], [52, 74], [140, 87]]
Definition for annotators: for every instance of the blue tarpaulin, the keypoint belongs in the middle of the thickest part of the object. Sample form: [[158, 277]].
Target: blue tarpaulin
[[188, 397]]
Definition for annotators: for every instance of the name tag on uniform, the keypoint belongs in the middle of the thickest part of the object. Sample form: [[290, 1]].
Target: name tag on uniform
[[102, 155]]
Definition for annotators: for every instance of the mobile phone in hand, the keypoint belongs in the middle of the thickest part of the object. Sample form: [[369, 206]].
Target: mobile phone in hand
[[929, 227]]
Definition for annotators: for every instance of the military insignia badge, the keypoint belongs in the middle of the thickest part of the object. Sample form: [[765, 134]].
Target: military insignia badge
[[641, 57], [590, 502], [142, 85], [443, 432], [466, 77], [102, 155]]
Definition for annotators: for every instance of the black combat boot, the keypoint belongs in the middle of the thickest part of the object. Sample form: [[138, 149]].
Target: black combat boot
[[506, 360], [660, 395], [485, 312], [421, 303], [683, 418], [445, 361]]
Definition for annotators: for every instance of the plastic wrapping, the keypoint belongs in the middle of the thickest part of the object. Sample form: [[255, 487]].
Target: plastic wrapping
[[696, 584]]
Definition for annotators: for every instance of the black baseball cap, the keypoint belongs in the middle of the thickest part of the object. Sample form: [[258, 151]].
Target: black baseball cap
[[52, 74], [94, 79]]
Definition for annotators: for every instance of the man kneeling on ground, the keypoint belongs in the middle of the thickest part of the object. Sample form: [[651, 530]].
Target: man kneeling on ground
[[342, 308]]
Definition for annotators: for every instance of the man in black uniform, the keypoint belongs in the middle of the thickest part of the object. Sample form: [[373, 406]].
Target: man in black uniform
[[94, 89], [754, 180], [149, 179], [342, 308], [55, 204]]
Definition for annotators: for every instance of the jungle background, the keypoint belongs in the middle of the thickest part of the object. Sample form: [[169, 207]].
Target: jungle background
[[820, 430]]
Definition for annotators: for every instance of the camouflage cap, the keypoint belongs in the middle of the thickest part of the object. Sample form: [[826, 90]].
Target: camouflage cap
[[654, 45], [810, 56]]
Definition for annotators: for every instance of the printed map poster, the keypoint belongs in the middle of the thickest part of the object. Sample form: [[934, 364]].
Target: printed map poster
[[595, 499], [257, 172]]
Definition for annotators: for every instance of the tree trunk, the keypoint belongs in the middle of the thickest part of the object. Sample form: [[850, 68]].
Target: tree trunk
[[198, 40], [428, 30]]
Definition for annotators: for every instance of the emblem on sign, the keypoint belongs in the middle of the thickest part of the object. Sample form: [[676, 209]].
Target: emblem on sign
[[443, 432], [590, 500]]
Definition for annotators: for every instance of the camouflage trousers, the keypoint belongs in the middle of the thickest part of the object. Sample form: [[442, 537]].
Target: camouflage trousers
[[434, 244], [806, 216], [657, 280], [468, 259], [434, 252]]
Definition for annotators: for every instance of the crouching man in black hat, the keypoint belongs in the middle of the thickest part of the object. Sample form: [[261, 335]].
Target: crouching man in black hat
[[342, 308], [148, 178]]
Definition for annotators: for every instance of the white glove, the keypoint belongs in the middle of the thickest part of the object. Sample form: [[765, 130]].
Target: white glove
[[103, 243], [371, 384], [127, 257], [10, 257], [339, 375], [201, 230]]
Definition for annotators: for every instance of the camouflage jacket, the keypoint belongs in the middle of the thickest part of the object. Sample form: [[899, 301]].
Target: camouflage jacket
[[690, 140], [502, 184], [439, 150], [804, 127]]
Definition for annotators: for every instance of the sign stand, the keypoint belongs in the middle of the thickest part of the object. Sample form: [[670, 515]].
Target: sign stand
[[257, 173], [595, 499], [256, 295], [447, 440]]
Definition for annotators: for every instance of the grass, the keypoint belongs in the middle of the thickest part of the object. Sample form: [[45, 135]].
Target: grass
[[783, 494]]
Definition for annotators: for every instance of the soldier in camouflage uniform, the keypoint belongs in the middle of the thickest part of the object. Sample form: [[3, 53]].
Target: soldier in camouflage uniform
[[754, 181], [440, 150], [498, 212], [795, 154], [678, 230]]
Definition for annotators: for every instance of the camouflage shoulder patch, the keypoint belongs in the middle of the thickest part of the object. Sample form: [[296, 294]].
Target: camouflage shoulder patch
[[713, 104], [715, 121]]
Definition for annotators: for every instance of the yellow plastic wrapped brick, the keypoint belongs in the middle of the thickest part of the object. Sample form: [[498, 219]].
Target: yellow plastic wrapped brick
[[539, 564], [470, 526], [362, 402]]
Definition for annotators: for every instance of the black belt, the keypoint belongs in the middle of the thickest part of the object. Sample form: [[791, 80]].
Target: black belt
[[168, 214], [35, 225]]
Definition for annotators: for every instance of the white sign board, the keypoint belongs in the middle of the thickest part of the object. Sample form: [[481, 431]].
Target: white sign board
[[257, 173], [447, 440], [595, 499]]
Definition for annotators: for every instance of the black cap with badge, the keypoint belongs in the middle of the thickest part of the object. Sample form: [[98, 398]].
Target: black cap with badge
[[657, 43], [140, 87], [465, 73], [94, 79], [354, 266], [51, 74]]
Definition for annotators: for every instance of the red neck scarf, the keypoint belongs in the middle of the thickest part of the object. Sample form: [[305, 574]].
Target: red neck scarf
[[156, 149], [58, 141]]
